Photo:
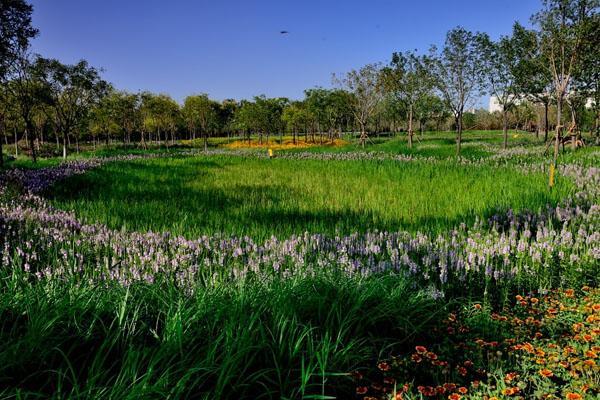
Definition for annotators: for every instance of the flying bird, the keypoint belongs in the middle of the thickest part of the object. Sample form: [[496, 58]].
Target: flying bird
[[284, 32]]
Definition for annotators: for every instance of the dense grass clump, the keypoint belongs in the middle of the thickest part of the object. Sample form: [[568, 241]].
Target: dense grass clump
[[286, 339], [193, 196]]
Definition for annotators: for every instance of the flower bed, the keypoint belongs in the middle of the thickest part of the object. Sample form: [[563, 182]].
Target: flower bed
[[545, 346]]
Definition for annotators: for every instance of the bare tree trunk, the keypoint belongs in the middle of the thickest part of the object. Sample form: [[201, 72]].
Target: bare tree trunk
[[410, 126], [363, 134], [505, 127], [459, 132], [143, 137], [205, 142], [28, 134], [557, 140], [546, 122], [2, 150], [64, 145], [16, 142]]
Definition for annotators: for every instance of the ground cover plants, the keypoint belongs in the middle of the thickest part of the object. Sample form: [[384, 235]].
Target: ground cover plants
[[97, 310]]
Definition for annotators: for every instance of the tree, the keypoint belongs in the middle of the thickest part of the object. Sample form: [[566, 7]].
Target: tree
[[199, 112], [501, 61], [562, 29], [126, 112], [533, 78], [408, 82], [15, 33], [28, 90], [457, 73], [586, 78], [296, 117], [103, 119], [73, 90], [365, 86], [226, 113], [329, 107], [159, 113], [428, 107]]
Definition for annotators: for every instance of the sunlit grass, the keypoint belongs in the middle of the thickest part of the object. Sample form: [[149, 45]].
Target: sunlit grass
[[261, 197]]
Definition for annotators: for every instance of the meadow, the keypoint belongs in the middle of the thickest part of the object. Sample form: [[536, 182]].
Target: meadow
[[195, 196], [324, 272]]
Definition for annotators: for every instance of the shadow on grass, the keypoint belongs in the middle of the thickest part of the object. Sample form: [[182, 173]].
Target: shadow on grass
[[147, 199]]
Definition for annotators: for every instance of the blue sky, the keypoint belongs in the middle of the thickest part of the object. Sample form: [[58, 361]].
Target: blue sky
[[233, 49]]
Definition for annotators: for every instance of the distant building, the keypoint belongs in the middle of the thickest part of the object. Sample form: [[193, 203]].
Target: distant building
[[494, 105]]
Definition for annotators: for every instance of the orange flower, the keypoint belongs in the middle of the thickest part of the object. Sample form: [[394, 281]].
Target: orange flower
[[589, 363], [519, 297], [361, 390], [421, 349], [534, 300], [574, 396], [463, 390], [384, 366], [454, 396], [546, 373], [591, 354], [510, 377], [596, 307], [510, 391], [449, 386], [569, 292], [477, 306]]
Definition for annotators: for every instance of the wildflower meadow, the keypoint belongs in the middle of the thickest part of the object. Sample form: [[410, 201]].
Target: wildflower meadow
[[502, 305]]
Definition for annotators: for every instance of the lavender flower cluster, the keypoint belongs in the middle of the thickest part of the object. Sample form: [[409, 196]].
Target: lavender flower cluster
[[40, 242]]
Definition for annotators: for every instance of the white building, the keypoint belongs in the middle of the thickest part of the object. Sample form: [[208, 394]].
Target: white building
[[494, 105]]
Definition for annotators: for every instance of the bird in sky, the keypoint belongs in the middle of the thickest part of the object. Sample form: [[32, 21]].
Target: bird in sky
[[284, 32]]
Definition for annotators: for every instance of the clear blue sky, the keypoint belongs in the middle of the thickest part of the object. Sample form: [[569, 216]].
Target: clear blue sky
[[233, 49]]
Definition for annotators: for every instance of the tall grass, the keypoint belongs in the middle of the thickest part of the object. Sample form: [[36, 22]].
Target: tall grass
[[286, 339], [260, 198]]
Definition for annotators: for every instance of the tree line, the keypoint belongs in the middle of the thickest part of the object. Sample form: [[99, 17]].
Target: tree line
[[552, 67]]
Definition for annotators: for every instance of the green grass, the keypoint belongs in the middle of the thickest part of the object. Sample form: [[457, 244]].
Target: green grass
[[282, 338], [257, 197], [286, 339]]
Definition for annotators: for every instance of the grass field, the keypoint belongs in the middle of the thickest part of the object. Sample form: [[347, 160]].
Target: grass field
[[196, 196], [92, 306]]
